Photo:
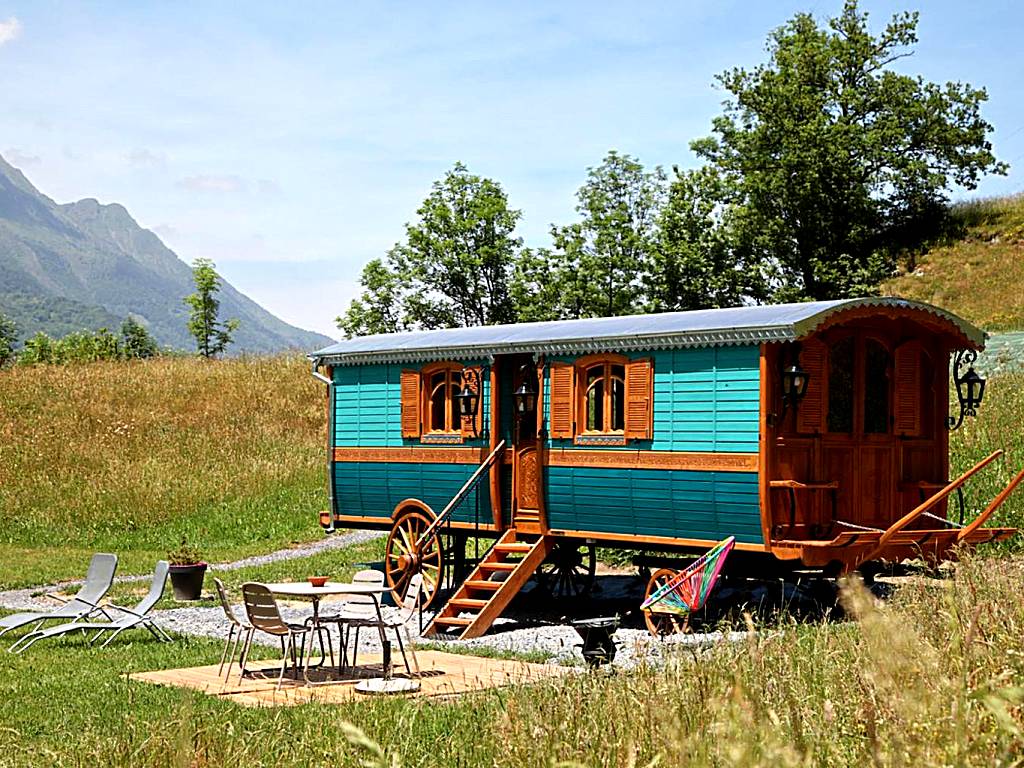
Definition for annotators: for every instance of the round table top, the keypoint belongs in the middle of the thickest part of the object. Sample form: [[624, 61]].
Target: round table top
[[305, 589]]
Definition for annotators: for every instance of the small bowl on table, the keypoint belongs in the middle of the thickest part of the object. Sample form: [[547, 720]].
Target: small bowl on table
[[318, 581]]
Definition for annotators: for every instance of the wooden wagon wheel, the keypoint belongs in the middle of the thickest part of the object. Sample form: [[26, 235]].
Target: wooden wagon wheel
[[403, 558], [569, 570], [662, 624]]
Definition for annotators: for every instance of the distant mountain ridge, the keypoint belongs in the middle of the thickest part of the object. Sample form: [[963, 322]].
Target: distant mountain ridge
[[83, 265]]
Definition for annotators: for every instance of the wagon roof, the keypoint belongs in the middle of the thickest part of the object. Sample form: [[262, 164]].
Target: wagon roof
[[696, 328]]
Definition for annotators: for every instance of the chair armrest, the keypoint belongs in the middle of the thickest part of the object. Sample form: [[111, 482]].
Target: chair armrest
[[125, 610], [58, 598]]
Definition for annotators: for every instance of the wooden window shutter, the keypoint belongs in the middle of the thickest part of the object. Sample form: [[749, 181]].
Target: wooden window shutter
[[639, 390], [469, 429], [907, 374], [410, 403], [563, 398], [811, 410]]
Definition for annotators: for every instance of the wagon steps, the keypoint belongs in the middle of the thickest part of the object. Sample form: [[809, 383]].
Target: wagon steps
[[497, 579]]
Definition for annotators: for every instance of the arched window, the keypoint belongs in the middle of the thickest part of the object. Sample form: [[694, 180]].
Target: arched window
[[604, 398], [877, 364], [441, 384]]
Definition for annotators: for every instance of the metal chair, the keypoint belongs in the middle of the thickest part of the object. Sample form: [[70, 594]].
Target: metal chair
[[358, 611], [243, 628], [399, 621], [264, 615]]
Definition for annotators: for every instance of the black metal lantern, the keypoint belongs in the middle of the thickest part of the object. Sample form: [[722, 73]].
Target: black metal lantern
[[469, 397], [525, 397], [970, 387], [794, 383]]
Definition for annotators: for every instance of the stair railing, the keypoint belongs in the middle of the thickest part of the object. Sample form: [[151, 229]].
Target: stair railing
[[457, 499]]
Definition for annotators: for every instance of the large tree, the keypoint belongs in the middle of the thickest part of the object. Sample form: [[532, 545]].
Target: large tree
[[211, 334], [831, 157], [597, 265], [696, 262], [454, 267]]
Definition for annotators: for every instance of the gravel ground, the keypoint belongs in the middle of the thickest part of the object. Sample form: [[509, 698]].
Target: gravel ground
[[34, 598], [533, 623]]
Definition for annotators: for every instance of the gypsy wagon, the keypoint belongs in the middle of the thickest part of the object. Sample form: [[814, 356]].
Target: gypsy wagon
[[816, 434]]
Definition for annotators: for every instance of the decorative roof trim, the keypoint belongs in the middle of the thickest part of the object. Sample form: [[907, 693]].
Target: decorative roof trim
[[753, 334]]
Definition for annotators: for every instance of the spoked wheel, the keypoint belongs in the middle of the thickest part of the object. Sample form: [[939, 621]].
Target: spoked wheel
[[403, 557], [569, 570], [662, 624]]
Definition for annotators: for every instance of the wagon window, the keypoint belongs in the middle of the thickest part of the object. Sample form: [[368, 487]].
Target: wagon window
[[605, 398], [442, 388], [876, 388], [840, 386]]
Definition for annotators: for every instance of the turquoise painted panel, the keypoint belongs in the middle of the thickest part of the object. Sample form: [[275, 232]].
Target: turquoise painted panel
[[368, 406], [705, 399], [375, 489], [652, 502]]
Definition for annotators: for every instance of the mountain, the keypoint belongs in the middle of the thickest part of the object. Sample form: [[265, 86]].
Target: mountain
[[85, 265]]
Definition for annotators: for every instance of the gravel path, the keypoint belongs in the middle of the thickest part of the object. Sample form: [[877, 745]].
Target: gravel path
[[34, 598], [529, 627]]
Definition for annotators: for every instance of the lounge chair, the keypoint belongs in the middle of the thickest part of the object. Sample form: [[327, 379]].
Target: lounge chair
[[128, 618], [98, 579]]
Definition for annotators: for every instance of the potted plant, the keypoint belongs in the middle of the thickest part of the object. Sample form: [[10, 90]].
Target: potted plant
[[187, 571]]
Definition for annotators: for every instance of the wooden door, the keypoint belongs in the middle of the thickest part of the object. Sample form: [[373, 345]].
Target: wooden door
[[527, 466]]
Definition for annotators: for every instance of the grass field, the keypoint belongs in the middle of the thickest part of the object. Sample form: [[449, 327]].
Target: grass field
[[978, 272], [930, 678], [130, 457]]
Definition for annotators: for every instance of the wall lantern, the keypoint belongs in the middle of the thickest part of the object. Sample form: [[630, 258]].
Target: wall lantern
[[970, 387], [469, 398], [794, 384], [525, 397]]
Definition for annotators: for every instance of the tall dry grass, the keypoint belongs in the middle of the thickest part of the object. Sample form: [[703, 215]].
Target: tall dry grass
[[134, 455]]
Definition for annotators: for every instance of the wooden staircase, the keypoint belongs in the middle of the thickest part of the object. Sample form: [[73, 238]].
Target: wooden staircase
[[497, 578]]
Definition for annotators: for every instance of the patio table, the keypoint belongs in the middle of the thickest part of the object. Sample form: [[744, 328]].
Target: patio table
[[303, 589]]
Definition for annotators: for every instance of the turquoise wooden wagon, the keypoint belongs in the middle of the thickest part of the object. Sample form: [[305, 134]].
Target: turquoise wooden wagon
[[816, 434]]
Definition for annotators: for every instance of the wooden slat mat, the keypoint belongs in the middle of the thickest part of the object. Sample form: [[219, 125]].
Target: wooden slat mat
[[444, 674]]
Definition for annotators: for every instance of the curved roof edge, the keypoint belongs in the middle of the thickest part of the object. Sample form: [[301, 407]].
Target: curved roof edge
[[670, 330]]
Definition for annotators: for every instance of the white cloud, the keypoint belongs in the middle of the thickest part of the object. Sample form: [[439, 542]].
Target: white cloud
[[18, 158], [207, 183], [9, 30], [145, 158]]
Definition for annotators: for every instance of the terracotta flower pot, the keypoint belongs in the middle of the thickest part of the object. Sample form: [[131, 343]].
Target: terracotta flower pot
[[187, 580]]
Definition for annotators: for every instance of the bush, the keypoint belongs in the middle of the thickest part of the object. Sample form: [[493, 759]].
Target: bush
[[134, 342]]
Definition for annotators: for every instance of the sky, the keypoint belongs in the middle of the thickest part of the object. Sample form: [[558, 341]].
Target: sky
[[291, 142]]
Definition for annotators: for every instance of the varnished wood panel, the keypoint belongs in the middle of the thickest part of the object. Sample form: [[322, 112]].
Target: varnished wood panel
[[411, 455], [561, 457], [712, 462]]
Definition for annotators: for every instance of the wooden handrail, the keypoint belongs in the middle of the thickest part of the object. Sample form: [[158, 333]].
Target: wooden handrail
[[458, 497], [924, 506], [996, 503]]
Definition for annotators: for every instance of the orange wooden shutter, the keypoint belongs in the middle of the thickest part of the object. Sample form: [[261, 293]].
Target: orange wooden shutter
[[563, 397], [639, 388], [410, 403], [907, 373], [469, 429], [811, 410]]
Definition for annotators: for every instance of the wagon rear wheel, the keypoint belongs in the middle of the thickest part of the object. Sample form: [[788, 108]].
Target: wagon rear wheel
[[404, 556], [662, 624], [569, 570]]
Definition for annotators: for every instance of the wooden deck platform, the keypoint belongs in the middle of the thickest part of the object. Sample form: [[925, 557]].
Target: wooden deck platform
[[444, 675]]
